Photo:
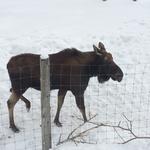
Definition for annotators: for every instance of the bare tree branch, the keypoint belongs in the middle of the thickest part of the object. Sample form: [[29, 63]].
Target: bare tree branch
[[71, 133], [129, 129], [119, 134], [73, 136]]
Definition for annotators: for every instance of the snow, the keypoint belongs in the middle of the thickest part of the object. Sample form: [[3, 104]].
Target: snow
[[104, 147], [44, 27]]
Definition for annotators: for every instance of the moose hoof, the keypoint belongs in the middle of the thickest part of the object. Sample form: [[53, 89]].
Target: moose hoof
[[14, 129], [58, 124], [28, 109]]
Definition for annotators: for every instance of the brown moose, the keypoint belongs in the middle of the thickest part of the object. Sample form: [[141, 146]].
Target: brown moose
[[70, 70]]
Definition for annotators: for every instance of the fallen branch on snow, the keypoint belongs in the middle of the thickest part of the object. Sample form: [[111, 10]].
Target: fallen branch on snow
[[74, 137]]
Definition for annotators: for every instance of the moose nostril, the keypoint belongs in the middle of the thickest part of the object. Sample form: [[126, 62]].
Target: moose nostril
[[119, 76], [120, 79]]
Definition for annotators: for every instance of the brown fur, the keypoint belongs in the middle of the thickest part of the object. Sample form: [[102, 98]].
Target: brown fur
[[70, 69]]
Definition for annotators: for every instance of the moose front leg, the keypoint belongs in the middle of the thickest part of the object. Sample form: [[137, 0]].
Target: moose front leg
[[80, 104], [61, 96]]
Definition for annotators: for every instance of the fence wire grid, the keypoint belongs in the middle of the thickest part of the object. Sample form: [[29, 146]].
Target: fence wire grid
[[111, 103]]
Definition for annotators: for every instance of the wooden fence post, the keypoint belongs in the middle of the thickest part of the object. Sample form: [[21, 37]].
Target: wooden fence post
[[45, 104]]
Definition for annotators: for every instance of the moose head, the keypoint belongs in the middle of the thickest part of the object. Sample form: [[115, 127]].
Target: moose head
[[107, 68]]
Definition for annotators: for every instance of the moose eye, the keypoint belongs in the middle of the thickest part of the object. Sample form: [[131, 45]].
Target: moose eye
[[106, 58]]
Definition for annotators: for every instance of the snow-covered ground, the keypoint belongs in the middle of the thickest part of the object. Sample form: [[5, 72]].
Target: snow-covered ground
[[46, 26]]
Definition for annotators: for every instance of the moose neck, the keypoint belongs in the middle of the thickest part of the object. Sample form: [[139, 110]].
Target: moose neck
[[92, 64]]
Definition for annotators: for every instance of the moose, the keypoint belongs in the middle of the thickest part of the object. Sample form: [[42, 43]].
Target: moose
[[70, 70]]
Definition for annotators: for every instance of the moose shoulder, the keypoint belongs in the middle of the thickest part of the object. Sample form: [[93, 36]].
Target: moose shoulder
[[70, 70]]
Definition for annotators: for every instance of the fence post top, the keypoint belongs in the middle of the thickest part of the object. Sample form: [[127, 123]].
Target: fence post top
[[44, 56]]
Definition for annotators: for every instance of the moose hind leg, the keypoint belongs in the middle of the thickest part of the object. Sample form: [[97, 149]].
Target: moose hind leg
[[61, 96], [27, 102], [11, 103], [81, 106]]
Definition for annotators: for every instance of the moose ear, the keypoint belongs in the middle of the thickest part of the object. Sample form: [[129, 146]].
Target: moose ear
[[96, 50], [101, 46]]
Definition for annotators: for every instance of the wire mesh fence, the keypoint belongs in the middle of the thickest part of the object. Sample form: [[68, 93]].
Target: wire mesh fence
[[109, 105]]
